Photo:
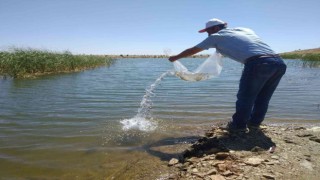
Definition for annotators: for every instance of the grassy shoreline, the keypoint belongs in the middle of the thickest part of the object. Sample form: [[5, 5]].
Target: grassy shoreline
[[308, 54], [24, 63]]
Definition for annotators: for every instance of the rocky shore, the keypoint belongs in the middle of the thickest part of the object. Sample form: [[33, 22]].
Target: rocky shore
[[273, 152]]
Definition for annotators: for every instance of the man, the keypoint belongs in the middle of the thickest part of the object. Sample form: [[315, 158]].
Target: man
[[262, 72]]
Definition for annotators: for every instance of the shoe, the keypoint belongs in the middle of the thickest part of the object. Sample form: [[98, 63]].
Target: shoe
[[257, 128], [234, 130], [253, 127]]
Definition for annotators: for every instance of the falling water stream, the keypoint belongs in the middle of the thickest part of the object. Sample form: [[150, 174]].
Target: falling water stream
[[143, 120]]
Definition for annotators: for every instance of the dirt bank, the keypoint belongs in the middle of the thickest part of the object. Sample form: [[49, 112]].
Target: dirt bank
[[220, 155]]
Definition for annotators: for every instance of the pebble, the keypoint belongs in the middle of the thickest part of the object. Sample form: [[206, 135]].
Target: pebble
[[275, 157], [304, 135], [173, 161], [227, 173], [254, 161], [222, 155], [314, 138], [222, 167], [217, 177], [288, 140], [314, 129], [268, 176], [212, 171], [307, 165], [195, 170]]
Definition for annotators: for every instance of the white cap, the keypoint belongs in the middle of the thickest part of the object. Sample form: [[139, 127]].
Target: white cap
[[211, 23]]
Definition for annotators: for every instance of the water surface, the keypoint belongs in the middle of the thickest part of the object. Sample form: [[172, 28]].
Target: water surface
[[68, 126]]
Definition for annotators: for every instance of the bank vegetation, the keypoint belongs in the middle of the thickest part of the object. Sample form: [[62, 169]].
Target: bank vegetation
[[23, 63], [308, 54]]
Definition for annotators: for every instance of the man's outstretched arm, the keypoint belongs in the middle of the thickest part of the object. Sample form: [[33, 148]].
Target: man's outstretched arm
[[185, 53]]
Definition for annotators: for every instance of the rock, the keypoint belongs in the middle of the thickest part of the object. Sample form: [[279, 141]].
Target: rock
[[275, 157], [240, 177], [193, 160], [272, 162], [288, 140], [222, 167], [227, 173], [257, 149], [307, 165], [304, 135], [173, 161], [308, 157], [314, 129], [195, 170], [269, 176], [173, 176], [217, 177], [211, 172], [222, 155], [201, 175], [213, 150], [254, 161], [209, 133], [299, 128], [215, 164], [315, 139]]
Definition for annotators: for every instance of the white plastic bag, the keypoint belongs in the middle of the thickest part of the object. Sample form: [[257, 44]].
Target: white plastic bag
[[210, 68]]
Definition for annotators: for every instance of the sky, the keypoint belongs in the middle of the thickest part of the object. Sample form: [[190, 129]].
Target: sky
[[151, 26]]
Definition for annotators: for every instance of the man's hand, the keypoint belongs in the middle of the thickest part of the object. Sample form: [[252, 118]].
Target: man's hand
[[173, 58]]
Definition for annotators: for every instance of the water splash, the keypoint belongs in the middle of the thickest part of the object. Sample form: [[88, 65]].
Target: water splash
[[143, 121]]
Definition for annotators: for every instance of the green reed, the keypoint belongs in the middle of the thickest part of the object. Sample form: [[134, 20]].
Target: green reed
[[20, 63], [305, 56]]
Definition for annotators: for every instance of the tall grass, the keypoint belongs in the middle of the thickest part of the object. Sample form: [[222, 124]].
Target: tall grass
[[20, 63], [305, 56]]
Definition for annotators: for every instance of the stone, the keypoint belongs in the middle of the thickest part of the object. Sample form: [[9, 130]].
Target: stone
[[288, 140], [314, 129], [209, 133], [270, 163], [257, 149], [195, 170], [173, 176], [254, 161], [201, 175], [215, 164], [227, 173], [275, 157], [193, 160], [217, 177], [269, 176], [222, 155], [222, 167], [212, 171], [307, 165], [240, 177], [315, 139], [213, 150], [299, 128], [304, 135], [173, 161]]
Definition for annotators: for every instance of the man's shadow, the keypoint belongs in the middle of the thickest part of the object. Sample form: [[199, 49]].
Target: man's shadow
[[217, 140]]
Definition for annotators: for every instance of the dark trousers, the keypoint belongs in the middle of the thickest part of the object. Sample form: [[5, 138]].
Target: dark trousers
[[260, 78]]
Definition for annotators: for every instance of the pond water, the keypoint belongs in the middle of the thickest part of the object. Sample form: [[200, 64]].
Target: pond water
[[68, 126]]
